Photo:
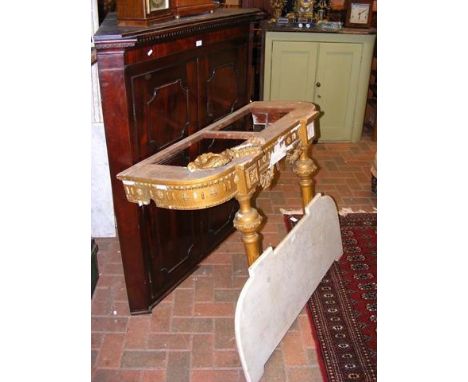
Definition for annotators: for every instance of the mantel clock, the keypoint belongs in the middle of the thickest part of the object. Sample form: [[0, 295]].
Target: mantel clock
[[143, 12], [148, 12], [359, 13]]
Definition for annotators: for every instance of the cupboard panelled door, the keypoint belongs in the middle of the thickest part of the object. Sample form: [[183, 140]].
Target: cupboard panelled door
[[164, 111], [336, 88], [223, 73], [293, 70], [218, 219], [164, 104], [224, 77]]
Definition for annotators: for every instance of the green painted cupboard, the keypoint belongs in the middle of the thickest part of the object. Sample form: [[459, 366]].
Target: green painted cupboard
[[329, 69]]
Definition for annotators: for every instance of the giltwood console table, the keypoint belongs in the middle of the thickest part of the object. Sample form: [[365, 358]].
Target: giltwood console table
[[253, 140], [232, 158]]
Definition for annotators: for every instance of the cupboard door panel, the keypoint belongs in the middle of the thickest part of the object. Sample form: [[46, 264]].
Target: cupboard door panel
[[219, 222], [223, 75], [336, 88], [293, 70], [224, 78], [164, 105], [218, 219], [175, 245], [173, 241], [164, 111]]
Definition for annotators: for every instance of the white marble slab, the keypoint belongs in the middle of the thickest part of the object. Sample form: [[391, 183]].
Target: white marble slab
[[281, 281]]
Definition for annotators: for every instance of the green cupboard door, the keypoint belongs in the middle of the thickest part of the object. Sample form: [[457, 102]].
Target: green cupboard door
[[293, 70], [336, 88]]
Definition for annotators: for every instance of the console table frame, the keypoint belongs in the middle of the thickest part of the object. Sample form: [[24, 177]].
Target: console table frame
[[214, 178]]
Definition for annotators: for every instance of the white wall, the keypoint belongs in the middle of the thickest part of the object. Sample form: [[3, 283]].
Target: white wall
[[102, 207]]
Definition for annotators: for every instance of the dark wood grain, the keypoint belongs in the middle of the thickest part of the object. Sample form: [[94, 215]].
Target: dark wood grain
[[121, 152], [264, 5], [191, 7]]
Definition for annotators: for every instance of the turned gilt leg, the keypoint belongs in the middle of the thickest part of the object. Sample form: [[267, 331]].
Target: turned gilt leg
[[247, 222], [305, 167]]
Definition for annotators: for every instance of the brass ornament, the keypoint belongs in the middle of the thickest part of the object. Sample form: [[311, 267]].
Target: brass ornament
[[277, 7], [304, 7]]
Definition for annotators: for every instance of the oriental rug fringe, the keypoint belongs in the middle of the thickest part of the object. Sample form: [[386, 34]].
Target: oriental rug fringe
[[343, 309]]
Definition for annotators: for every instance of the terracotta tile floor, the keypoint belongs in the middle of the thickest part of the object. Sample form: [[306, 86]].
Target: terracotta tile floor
[[190, 335]]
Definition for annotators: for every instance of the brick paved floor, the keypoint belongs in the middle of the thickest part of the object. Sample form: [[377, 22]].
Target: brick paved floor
[[190, 335]]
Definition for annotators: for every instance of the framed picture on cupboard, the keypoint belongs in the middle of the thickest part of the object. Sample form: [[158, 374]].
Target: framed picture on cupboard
[[359, 13]]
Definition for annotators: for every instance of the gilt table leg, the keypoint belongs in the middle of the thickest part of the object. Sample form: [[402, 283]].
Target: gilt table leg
[[305, 167], [247, 222]]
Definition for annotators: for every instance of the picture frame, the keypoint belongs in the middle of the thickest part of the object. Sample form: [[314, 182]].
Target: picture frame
[[359, 13]]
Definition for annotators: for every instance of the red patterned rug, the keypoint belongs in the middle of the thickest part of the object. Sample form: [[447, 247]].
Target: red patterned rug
[[343, 309]]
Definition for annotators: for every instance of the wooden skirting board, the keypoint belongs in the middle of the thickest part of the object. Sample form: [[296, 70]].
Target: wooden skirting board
[[282, 280]]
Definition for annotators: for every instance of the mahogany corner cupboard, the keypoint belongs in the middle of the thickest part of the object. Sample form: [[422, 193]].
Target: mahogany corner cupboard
[[160, 84]]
